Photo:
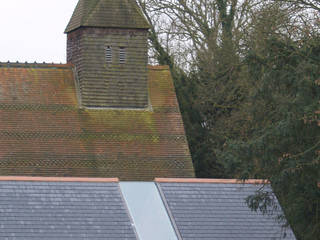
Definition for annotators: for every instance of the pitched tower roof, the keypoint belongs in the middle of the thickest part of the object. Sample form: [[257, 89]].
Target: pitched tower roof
[[107, 13], [43, 132]]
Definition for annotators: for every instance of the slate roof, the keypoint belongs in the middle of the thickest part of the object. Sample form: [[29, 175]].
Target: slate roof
[[107, 13], [38, 210], [82, 208], [216, 209], [43, 131]]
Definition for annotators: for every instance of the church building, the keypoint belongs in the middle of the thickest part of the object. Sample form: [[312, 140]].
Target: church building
[[96, 148], [105, 113]]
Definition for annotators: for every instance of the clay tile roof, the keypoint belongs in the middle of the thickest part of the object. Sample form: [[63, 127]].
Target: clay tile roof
[[43, 132], [107, 13]]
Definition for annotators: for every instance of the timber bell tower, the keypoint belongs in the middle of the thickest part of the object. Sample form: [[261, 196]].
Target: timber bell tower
[[107, 43]]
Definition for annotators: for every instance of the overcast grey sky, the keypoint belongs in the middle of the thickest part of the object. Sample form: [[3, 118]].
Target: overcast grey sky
[[32, 30]]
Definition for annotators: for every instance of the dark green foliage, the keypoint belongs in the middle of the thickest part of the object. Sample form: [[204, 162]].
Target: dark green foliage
[[250, 99], [284, 145], [199, 139], [187, 90]]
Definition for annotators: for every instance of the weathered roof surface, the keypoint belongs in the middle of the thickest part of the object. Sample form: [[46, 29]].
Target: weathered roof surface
[[33, 210], [43, 132], [89, 208], [107, 13], [216, 210]]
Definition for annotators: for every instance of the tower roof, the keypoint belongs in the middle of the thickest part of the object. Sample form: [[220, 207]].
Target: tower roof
[[43, 132], [107, 13]]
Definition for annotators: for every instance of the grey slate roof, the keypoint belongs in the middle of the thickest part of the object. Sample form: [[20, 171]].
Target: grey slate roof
[[84, 209], [204, 211], [62, 210]]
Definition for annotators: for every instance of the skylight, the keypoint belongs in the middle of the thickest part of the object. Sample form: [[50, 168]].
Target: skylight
[[149, 214]]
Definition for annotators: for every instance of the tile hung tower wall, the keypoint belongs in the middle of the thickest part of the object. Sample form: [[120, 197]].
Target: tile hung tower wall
[[107, 43]]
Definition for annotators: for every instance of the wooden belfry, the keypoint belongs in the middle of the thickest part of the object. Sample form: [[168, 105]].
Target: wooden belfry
[[107, 42]]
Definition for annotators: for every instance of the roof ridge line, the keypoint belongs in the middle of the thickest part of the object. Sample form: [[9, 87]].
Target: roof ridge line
[[207, 180], [56, 179], [36, 65], [159, 67]]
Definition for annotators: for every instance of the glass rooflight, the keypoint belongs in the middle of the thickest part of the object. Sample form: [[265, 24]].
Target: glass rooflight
[[147, 210]]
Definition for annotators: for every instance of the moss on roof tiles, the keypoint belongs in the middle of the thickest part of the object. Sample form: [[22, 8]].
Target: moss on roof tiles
[[44, 132], [107, 13]]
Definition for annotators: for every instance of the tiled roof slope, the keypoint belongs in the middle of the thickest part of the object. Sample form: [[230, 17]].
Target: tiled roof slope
[[63, 210], [43, 132], [107, 13], [218, 211]]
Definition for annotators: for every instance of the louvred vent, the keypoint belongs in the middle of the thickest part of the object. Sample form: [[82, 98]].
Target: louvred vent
[[122, 55], [109, 54]]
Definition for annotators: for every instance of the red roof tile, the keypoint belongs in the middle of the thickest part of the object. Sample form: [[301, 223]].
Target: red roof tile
[[43, 132]]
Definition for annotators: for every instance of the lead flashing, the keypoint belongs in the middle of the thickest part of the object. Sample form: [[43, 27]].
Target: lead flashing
[[56, 179], [203, 180]]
